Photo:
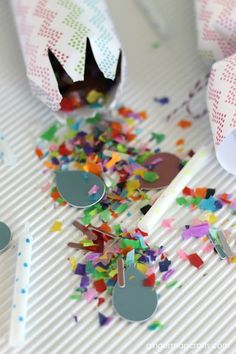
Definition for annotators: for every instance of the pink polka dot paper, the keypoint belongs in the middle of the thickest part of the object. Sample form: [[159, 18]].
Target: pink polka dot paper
[[216, 20]]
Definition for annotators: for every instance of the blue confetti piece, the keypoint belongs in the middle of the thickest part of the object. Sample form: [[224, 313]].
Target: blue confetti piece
[[162, 100]]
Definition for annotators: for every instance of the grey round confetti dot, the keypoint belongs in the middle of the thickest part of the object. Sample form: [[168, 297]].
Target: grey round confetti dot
[[74, 187], [5, 237], [135, 302]]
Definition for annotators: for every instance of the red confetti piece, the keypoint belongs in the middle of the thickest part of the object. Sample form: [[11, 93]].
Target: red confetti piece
[[67, 104], [150, 280], [100, 285], [141, 232], [187, 191], [101, 300], [63, 150], [195, 260]]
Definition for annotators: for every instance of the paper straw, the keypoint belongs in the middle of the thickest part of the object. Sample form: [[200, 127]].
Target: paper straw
[[21, 289], [150, 220]]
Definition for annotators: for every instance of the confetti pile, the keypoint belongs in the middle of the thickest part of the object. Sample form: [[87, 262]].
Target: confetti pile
[[213, 238], [98, 272], [205, 199], [103, 148]]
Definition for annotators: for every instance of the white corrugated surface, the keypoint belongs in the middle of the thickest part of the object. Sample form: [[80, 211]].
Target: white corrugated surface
[[202, 311]]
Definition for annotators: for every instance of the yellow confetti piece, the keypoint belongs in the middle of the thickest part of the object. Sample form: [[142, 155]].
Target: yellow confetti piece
[[139, 173], [131, 277], [100, 269], [87, 243], [112, 273], [129, 121], [73, 263], [132, 186], [93, 96], [56, 227], [232, 259], [142, 267], [211, 218]]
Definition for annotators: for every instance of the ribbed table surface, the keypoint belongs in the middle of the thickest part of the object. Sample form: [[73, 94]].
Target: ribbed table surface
[[197, 316]]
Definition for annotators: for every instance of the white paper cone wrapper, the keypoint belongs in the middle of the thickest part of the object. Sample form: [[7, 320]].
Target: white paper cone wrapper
[[216, 24], [66, 28]]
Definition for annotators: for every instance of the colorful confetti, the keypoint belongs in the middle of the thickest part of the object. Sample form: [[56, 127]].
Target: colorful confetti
[[56, 226]]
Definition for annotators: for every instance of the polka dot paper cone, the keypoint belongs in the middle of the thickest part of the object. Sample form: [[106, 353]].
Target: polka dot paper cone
[[64, 28], [216, 22]]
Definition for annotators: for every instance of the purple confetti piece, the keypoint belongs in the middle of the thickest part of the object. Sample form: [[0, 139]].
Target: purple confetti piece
[[84, 282], [196, 231], [168, 274], [80, 269], [92, 256]]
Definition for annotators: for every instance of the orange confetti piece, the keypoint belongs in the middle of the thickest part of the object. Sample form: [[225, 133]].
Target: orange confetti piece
[[55, 195], [50, 165], [93, 168], [200, 192], [105, 227], [224, 198], [143, 115], [116, 126], [39, 153], [126, 250], [184, 123], [124, 111], [114, 159], [180, 142]]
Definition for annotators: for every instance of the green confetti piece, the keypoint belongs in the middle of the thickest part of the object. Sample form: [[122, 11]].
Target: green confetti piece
[[81, 290], [105, 215], [121, 148], [171, 284], [50, 132], [70, 121], [94, 120], [117, 229], [158, 137], [156, 45], [150, 176], [60, 200], [157, 283], [54, 154], [89, 267], [86, 219], [155, 325], [141, 158], [121, 208], [70, 135], [76, 297], [130, 243], [181, 201]]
